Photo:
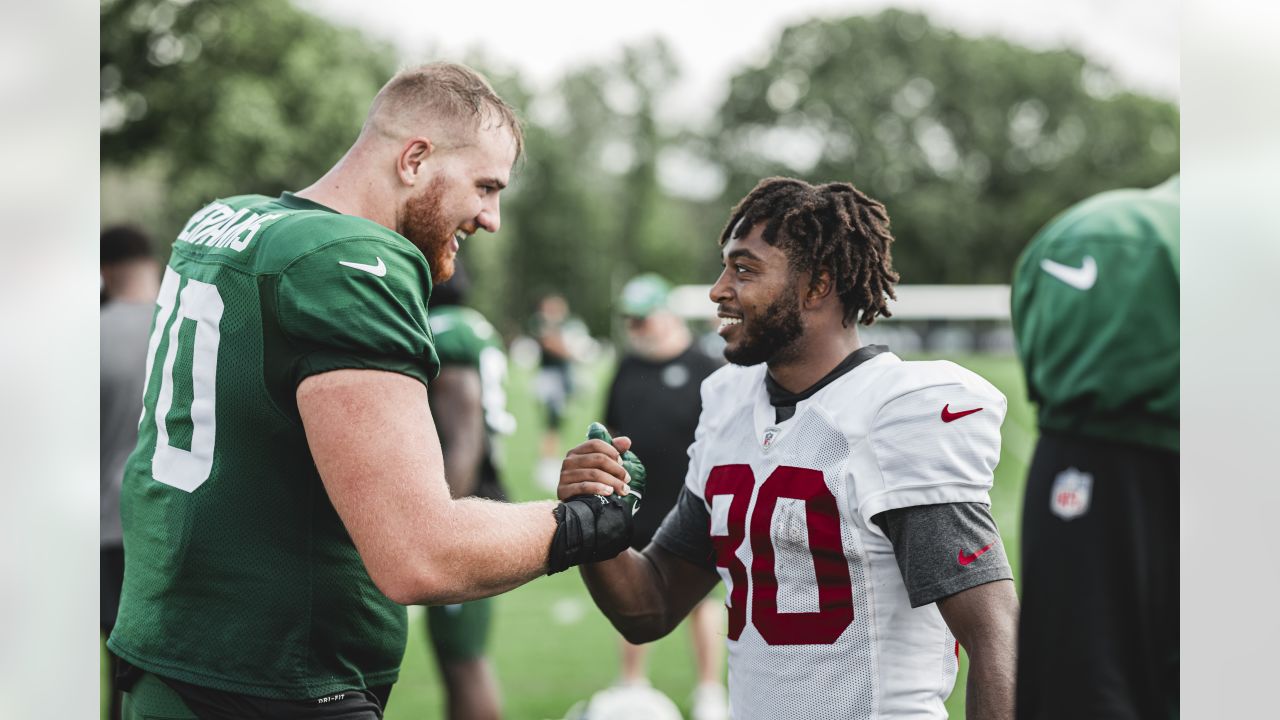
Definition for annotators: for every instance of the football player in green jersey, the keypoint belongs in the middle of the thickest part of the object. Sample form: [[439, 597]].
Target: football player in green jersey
[[1095, 313], [469, 392], [287, 495]]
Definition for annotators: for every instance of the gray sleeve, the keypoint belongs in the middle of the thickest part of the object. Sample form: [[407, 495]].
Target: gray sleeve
[[943, 549], [686, 532]]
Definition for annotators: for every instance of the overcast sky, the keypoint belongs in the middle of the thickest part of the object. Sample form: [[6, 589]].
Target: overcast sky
[[1137, 39]]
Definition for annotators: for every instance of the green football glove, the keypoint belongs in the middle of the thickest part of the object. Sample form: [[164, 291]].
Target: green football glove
[[630, 462], [592, 528]]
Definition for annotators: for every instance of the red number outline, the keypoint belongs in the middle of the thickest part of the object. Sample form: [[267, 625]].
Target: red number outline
[[735, 481], [831, 569]]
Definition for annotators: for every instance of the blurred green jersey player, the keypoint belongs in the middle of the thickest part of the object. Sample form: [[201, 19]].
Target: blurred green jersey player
[[1095, 313], [468, 400]]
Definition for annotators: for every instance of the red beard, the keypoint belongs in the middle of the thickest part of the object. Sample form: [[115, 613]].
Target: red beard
[[425, 225]]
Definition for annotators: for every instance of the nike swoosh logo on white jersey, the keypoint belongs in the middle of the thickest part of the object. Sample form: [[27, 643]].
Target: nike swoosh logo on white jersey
[[1080, 278], [380, 269]]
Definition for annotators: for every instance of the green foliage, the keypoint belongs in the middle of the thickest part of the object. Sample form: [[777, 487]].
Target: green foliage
[[971, 143], [586, 211], [230, 97], [563, 236]]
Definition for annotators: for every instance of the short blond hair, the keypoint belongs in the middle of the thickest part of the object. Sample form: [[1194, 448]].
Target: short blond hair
[[443, 92]]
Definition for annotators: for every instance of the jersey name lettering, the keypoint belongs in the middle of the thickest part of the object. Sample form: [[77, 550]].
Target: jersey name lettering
[[217, 225]]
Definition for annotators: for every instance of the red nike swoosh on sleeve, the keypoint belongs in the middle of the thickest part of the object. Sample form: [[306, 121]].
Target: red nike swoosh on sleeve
[[966, 559], [948, 416]]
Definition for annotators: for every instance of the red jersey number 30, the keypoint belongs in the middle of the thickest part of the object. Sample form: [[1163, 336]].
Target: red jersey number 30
[[822, 518]]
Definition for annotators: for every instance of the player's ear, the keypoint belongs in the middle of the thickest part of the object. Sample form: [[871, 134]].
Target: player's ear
[[820, 287], [410, 163]]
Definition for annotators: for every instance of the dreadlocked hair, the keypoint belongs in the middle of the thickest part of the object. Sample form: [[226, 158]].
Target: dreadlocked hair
[[833, 226]]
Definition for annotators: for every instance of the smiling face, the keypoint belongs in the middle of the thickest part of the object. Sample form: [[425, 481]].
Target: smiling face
[[758, 299], [460, 197]]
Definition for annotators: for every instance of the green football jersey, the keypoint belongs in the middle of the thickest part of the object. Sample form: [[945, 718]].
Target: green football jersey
[[464, 337], [1095, 314], [240, 574]]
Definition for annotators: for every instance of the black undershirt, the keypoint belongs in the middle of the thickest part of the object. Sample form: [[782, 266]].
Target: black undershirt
[[784, 401]]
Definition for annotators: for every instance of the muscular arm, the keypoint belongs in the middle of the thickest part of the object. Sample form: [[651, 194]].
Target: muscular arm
[[985, 621], [374, 443], [976, 598], [455, 401], [646, 594]]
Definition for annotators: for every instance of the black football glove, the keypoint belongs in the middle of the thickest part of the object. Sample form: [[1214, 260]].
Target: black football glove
[[589, 528]]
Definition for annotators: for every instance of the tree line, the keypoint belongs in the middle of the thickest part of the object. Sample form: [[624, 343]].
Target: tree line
[[972, 143]]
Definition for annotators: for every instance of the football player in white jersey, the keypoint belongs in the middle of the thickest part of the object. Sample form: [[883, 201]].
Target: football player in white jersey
[[840, 493]]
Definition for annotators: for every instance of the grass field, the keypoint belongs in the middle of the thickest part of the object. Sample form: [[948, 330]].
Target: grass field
[[552, 647]]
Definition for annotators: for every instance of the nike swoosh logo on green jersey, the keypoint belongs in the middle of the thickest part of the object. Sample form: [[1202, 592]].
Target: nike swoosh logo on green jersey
[[1080, 278], [380, 269]]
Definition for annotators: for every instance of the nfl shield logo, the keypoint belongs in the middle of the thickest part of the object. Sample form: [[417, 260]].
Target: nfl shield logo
[[1069, 498], [770, 434]]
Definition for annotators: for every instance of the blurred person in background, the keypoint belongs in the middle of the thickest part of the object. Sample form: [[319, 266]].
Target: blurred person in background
[[551, 326], [1095, 314], [710, 342], [655, 400], [840, 492], [469, 401], [130, 279], [287, 495]]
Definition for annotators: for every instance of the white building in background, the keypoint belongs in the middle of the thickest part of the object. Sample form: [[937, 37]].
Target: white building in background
[[926, 318]]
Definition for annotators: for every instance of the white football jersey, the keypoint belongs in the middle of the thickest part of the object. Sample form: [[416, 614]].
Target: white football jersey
[[819, 621]]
